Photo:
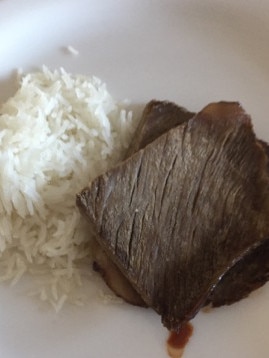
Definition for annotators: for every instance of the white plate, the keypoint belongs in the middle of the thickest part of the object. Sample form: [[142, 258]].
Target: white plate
[[191, 52]]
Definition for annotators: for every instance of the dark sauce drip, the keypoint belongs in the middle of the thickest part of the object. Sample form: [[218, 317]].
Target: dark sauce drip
[[177, 341]]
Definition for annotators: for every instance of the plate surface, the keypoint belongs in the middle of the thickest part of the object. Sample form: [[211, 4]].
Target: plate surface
[[187, 51]]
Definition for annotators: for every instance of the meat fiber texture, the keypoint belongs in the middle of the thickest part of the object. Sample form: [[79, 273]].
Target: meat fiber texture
[[248, 274], [157, 118], [178, 214]]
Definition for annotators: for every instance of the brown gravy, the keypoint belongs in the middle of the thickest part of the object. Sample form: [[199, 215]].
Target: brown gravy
[[177, 341]]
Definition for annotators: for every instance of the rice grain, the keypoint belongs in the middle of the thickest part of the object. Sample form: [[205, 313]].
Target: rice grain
[[57, 133]]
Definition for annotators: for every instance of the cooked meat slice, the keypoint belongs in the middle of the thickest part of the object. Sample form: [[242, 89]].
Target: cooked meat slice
[[250, 273], [157, 118], [179, 213], [113, 277], [266, 148]]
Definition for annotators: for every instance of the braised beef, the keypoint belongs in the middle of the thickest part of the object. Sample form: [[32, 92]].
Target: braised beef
[[248, 274], [157, 118], [266, 149], [176, 215], [113, 277]]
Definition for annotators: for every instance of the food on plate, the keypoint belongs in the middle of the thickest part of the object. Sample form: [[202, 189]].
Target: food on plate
[[178, 214], [157, 118], [56, 133], [248, 274], [181, 222], [177, 341], [70, 49], [113, 277]]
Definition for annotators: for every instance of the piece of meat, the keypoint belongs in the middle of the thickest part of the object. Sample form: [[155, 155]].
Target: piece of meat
[[157, 118], [250, 273], [266, 148], [179, 213], [247, 275], [113, 277]]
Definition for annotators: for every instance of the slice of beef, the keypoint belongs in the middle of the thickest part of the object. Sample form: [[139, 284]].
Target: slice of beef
[[250, 273], [157, 118], [113, 277], [179, 213], [266, 148]]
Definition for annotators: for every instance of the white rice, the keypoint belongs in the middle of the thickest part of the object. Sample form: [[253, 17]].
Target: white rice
[[57, 133], [70, 49]]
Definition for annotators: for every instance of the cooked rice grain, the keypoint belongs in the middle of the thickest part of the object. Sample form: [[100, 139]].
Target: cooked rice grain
[[57, 133]]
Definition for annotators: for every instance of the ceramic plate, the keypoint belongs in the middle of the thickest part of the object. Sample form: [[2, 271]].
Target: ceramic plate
[[190, 52]]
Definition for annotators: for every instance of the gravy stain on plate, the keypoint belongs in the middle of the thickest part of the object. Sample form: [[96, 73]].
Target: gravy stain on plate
[[177, 341]]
